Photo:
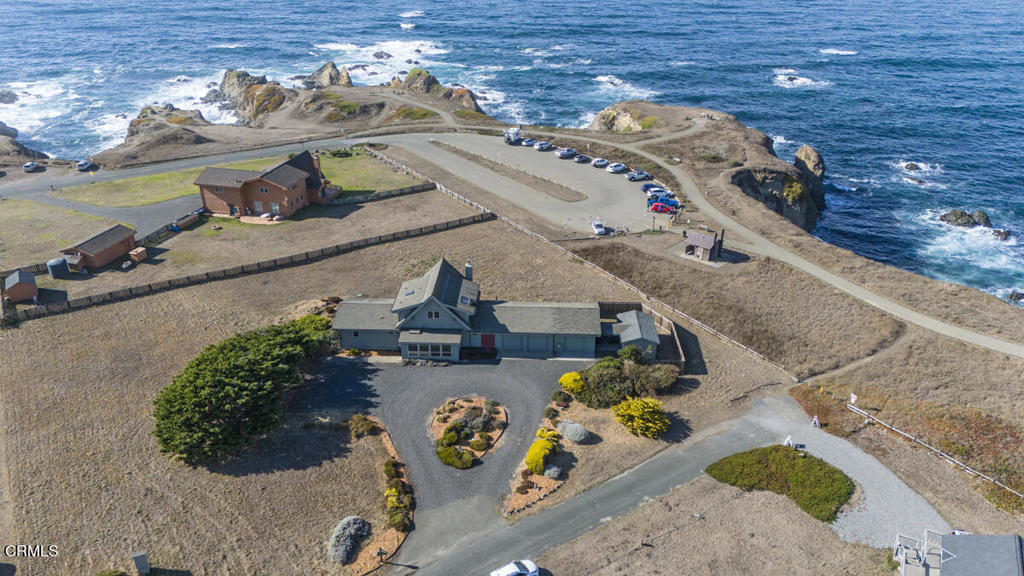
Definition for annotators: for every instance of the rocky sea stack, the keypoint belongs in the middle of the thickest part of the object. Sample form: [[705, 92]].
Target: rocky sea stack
[[423, 82], [327, 75], [13, 151], [962, 218]]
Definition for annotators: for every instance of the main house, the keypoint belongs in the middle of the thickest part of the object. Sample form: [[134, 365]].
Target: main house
[[440, 315], [284, 189]]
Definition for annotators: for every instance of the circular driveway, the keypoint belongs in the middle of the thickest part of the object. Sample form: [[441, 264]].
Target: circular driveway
[[404, 398]]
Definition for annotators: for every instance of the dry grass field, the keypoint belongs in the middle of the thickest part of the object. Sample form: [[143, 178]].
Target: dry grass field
[[201, 248], [788, 316], [738, 533], [33, 232]]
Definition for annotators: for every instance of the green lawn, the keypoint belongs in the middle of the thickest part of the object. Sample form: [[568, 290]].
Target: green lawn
[[817, 487], [31, 232], [143, 190], [361, 174]]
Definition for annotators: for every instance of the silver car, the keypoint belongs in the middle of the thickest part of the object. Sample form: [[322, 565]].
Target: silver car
[[598, 162]]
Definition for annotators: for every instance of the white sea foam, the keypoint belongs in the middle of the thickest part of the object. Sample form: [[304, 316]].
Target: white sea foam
[[976, 247], [382, 70], [787, 78], [779, 139], [585, 120], [407, 25], [38, 103], [623, 90], [923, 167], [411, 14], [583, 61], [837, 52], [186, 92], [228, 46], [681, 63]]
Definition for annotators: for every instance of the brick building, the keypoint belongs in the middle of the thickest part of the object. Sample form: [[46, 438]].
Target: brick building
[[284, 189]]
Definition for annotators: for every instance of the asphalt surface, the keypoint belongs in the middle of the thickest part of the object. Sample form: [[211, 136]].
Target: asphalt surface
[[888, 506], [451, 505]]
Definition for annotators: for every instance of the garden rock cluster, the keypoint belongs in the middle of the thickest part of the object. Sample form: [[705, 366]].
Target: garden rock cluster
[[346, 538]]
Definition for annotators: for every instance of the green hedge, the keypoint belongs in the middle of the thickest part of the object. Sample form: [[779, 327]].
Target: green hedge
[[611, 380], [817, 487], [454, 457], [233, 391]]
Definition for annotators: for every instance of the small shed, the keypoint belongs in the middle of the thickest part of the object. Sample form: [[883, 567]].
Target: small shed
[[101, 249], [637, 328], [20, 286], [703, 247]]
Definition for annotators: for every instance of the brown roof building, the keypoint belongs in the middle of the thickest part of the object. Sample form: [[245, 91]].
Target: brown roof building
[[284, 189], [20, 286], [101, 249], [704, 247]]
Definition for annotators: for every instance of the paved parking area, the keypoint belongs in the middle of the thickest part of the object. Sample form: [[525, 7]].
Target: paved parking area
[[617, 201]]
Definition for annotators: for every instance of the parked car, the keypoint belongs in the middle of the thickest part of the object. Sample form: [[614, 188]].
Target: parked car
[[517, 568], [30, 167], [83, 165], [660, 208], [543, 146], [565, 153], [659, 192], [616, 168], [582, 159], [598, 162], [528, 142], [598, 227], [664, 200], [638, 175], [648, 185]]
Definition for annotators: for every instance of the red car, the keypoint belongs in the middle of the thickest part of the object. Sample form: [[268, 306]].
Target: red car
[[661, 208]]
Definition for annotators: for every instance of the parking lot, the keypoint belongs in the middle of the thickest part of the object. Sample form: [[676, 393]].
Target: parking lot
[[619, 203]]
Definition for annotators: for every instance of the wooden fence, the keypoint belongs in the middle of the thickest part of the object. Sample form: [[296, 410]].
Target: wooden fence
[[656, 306], [935, 451], [252, 268], [386, 194]]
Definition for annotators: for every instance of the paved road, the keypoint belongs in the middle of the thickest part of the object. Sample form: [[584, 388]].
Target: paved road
[[888, 506]]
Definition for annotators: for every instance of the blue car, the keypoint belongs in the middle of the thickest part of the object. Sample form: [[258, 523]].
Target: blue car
[[670, 202]]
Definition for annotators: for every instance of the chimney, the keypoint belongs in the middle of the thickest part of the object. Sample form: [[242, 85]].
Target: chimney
[[469, 272]]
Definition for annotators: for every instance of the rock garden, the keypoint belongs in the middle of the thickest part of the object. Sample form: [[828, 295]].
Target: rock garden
[[464, 429]]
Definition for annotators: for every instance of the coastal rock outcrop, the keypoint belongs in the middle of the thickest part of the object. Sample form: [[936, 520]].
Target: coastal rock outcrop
[[151, 117], [8, 97], [422, 82], [961, 218], [629, 116], [327, 75], [812, 169], [155, 130], [251, 97], [13, 151], [1016, 296]]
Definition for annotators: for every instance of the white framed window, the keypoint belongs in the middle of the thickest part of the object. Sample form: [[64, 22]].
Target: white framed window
[[433, 314], [263, 190]]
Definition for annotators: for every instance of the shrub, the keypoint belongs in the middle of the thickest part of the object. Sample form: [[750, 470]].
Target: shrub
[[571, 382], [537, 455], [472, 412], [648, 122], [452, 456], [491, 406], [345, 539], [359, 426], [391, 468], [573, 431], [550, 413], [561, 396], [794, 190], [479, 445], [399, 520], [233, 391], [562, 405], [642, 416], [631, 353], [455, 433], [548, 434], [339, 153], [653, 380], [525, 474], [819, 488], [352, 352], [477, 419]]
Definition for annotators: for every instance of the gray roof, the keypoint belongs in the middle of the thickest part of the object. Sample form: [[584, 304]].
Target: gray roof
[[983, 555], [103, 240], [365, 314], [19, 277], [284, 175], [438, 337], [225, 177], [304, 161], [635, 326], [443, 282], [537, 318], [702, 240]]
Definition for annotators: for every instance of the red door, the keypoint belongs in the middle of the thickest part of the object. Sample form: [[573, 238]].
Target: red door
[[487, 340]]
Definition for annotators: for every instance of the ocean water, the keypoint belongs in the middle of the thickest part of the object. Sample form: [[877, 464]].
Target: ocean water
[[940, 84]]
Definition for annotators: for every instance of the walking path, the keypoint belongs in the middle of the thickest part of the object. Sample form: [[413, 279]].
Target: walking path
[[887, 507]]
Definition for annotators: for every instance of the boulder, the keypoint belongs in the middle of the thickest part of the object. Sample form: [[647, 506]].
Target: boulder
[[961, 218], [8, 97], [346, 539], [553, 472], [422, 82], [911, 166], [1001, 234], [1016, 296], [573, 431], [381, 55], [326, 75], [236, 83], [152, 116], [812, 169], [615, 118]]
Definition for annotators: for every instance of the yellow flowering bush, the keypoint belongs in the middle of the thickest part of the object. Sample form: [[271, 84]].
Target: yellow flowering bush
[[537, 455], [571, 382], [642, 416]]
